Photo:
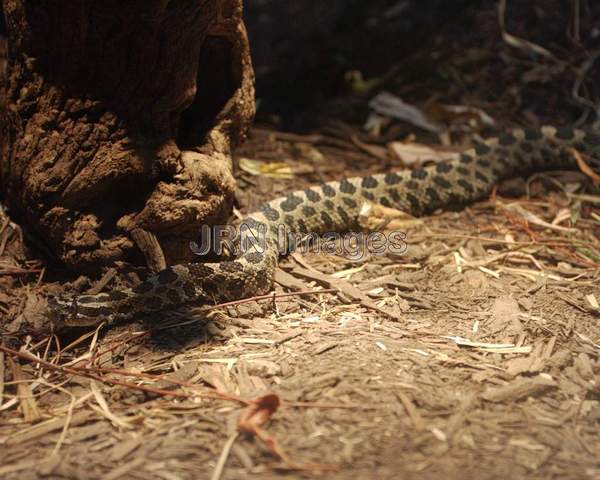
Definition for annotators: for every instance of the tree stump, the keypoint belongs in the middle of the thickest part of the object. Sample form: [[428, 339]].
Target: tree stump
[[117, 123]]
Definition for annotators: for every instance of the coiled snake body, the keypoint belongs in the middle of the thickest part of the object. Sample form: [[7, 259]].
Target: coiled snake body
[[333, 206]]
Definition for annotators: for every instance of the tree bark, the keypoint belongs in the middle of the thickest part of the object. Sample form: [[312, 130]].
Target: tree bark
[[119, 117]]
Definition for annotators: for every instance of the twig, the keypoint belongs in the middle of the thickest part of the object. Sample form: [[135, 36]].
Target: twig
[[218, 471], [86, 373], [271, 296], [520, 42], [20, 271]]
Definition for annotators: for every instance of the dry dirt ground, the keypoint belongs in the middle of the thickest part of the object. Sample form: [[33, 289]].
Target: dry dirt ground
[[475, 354]]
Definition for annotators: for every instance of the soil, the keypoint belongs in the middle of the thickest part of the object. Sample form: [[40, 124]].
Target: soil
[[475, 354]]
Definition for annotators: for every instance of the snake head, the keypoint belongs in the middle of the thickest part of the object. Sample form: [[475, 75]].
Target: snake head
[[62, 311], [66, 312]]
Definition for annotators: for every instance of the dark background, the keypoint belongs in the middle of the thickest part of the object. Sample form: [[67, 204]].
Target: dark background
[[301, 50]]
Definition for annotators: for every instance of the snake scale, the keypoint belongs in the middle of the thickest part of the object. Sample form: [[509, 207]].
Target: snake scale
[[333, 206]]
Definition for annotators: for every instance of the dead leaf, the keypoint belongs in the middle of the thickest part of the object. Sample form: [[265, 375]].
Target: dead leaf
[[256, 415], [375, 124], [390, 105], [271, 169], [449, 114], [533, 218], [415, 153], [357, 82]]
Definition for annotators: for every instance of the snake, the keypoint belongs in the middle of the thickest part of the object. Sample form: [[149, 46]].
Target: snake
[[333, 206]]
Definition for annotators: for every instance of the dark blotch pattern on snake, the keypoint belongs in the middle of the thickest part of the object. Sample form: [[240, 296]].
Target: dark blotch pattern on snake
[[333, 206]]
